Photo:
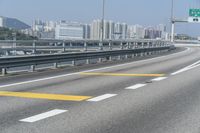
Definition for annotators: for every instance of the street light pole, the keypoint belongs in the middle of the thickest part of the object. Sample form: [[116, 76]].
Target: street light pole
[[172, 21], [102, 25]]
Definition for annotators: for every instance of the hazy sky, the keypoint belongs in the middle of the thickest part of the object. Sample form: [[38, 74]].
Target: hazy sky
[[144, 12]]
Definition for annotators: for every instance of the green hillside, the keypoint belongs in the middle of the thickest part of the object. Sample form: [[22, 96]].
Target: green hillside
[[6, 34]]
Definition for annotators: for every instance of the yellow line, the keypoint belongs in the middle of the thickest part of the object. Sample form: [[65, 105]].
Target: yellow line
[[123, 74], [44, 96]]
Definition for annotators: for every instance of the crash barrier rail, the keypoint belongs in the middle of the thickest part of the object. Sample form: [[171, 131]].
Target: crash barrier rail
[[33, 60], [35, 47]]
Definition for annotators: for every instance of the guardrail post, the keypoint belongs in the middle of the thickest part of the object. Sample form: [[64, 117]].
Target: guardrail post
[[159, 46], [110, 45], [141, 54], [88, 61], [100, 46], [70, 44], [128, 45], [142, 44], [4, 71], [136, 45], [100, 60], [148, 46], [132, 56], [126, 56], [85, 46], [110, 58], [34, 47], [121, 46], [63, 46], [32, 68], [73, 63], [55, 65], [145, 53], [7, 53], [119, 57]]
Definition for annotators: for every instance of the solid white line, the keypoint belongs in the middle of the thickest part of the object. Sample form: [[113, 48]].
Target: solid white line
[[102, 97], [194, 64], [43, 115], [186, 68], [159, 79], [135, 86], [76, 73]]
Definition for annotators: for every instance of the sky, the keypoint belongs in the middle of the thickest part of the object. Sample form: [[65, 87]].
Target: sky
[[143, 12]]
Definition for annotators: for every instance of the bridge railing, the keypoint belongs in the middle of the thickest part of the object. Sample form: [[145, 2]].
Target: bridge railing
[[56, 51], [35, 47]]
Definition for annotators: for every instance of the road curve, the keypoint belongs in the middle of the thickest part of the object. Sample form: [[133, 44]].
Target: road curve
[[158, 95]]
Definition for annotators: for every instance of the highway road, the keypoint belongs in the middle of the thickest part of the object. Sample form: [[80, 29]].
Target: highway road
[[157, 95]]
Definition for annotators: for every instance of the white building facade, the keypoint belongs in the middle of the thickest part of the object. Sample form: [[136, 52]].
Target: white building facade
[[1, 21], [136, 31], [96, 30], [64, 31]]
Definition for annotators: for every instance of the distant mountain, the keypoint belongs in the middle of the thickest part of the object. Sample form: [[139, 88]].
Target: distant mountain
[[13, 23]]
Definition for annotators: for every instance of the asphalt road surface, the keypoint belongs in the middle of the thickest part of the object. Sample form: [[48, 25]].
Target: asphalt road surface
[[158, 95]]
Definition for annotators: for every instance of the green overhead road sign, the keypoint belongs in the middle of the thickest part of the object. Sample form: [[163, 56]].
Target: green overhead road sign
[[194, 12]]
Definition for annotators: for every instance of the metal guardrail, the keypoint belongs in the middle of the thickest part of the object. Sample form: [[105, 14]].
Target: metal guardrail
[[36, 52], [32, 60], [187, 41], [32, 47]]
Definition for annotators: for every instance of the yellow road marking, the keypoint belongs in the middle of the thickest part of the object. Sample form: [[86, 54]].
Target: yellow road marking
[[44, 96], [123, 74]]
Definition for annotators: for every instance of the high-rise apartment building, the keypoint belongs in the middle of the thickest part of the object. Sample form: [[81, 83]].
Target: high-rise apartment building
[[163, 29], [1, 21], [96, 30], [152, 33], [136, 31], [41, 26], [86, 31], [111, 30], [106, 30], [118, 31], [124, 31]]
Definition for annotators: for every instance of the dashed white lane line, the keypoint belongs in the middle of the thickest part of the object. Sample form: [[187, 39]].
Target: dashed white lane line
[[135, 86], [159, 79], [76, 73], [43, 116], [102, 97]]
